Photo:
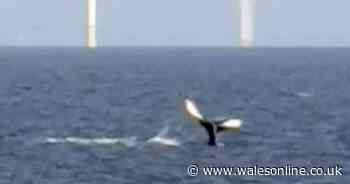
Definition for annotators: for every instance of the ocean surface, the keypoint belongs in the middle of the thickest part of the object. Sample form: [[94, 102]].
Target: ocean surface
[[74, 115]]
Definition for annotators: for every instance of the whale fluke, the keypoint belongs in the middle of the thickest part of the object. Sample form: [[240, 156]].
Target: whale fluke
[[211, 126]]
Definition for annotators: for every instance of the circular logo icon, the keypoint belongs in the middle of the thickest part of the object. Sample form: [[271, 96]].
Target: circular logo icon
[[193, 169]]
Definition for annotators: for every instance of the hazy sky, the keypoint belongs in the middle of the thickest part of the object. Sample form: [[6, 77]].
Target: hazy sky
[[174, 23]]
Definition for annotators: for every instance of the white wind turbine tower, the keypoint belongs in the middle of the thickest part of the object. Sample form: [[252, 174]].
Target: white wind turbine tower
[[91, 23], [247, 21]]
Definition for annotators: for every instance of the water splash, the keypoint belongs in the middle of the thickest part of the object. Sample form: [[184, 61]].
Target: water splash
[[161, 138], [127, 141], [304, 94]]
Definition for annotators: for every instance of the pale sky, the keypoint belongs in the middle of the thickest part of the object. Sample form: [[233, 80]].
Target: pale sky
[[174, 23]]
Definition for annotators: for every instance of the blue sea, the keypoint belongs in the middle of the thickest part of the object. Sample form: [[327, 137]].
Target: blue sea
[[76, 115]]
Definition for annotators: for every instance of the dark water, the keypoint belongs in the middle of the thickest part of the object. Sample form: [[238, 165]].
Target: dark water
[[294, 102]]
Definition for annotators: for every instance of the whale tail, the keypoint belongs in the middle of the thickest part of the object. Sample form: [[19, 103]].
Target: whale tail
[[211, 126], [192, 111]]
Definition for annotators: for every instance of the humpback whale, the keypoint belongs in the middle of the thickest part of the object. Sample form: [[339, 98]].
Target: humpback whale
[[211, 126]]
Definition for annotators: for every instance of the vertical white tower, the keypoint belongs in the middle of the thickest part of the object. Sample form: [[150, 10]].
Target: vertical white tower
[[247, 20], [91, 23]]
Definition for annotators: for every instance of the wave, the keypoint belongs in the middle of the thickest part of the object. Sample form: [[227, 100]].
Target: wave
[[160, 138], [127, 141], [304, 94]]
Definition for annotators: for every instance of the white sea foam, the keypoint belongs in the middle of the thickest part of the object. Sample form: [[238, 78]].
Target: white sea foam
[[304, 94], [164, 141], [128, 141], [161, 138]]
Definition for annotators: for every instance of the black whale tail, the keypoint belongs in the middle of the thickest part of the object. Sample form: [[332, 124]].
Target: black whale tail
[[211, 126]]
